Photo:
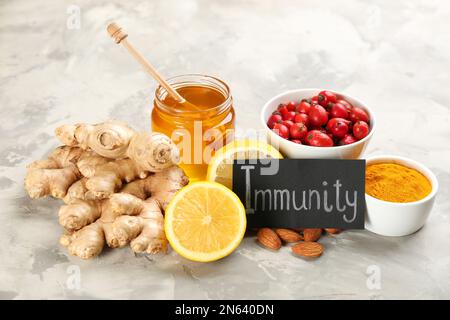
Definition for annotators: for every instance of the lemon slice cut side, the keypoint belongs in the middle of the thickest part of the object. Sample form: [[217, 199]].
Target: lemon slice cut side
[[205, 221]]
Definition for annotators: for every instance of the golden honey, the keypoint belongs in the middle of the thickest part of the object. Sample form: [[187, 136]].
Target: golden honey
[[199, 127]]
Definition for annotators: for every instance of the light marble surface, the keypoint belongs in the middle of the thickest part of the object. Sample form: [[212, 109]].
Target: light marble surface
[[394, 55]]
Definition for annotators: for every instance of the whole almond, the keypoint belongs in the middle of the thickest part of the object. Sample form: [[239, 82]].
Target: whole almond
[[311, 235], [333, 231], [288, 235], [308, 249], [268, 238]]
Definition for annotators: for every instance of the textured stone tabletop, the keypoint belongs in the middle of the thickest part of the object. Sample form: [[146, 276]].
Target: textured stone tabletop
[[394, 55]]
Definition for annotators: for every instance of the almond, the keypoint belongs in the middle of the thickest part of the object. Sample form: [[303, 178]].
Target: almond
[[311, 235], [288, 235], [269, 239], [333, 231], [308, 249]]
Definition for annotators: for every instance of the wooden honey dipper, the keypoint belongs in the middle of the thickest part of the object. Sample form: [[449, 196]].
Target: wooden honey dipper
[[120, 37]]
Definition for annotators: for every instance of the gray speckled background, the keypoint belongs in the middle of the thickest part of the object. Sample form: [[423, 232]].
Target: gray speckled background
[[394, 55]]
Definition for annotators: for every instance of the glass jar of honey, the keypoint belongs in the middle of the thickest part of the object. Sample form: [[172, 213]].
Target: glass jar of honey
[[199, 127]]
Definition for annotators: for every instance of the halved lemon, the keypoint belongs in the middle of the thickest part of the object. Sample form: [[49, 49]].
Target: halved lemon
[[205, 221], [220, 167]]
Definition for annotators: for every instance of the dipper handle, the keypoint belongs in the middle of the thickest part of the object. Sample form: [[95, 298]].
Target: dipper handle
[[120, 37]]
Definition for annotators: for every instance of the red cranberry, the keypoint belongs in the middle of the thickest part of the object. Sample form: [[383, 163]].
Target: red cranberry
[[304, 107], [360, 130], [290, 115], [318, 116], [274, 118], [281, 130], [291, 106], [337, 127], [325, 97], [287, 123], [358, 114], [298, 131], [317, 138], [345, 103], [348, 139], [338, 110], [302, 117]]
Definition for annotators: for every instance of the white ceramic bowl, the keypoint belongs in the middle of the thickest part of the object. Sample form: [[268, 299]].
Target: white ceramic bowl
[[299, 151], [399, 219]]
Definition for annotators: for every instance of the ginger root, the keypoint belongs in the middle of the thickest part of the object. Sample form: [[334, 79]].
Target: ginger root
[[115, 183], [161, 186], [86, 243], [89, 162], [76, 191], [54, 175], [135, 215], [116, 140], [140, 224], [109, 139], [136, 221], [109, 178]]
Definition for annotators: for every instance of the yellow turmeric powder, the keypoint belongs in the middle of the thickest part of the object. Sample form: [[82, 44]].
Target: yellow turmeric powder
[[396, 183]]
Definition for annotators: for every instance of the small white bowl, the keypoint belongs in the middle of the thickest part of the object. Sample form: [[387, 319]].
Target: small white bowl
[[300, 151], [399, 219]]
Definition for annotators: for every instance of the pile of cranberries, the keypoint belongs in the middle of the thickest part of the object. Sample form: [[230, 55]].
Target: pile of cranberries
[[325, 120]]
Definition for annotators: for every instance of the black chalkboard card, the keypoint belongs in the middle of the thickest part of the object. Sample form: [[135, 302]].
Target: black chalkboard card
[[301, 193]]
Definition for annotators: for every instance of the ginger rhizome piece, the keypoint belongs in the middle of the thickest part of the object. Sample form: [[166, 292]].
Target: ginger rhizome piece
[[54, 175], [115, 183], [116, 140], [135, 216]]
